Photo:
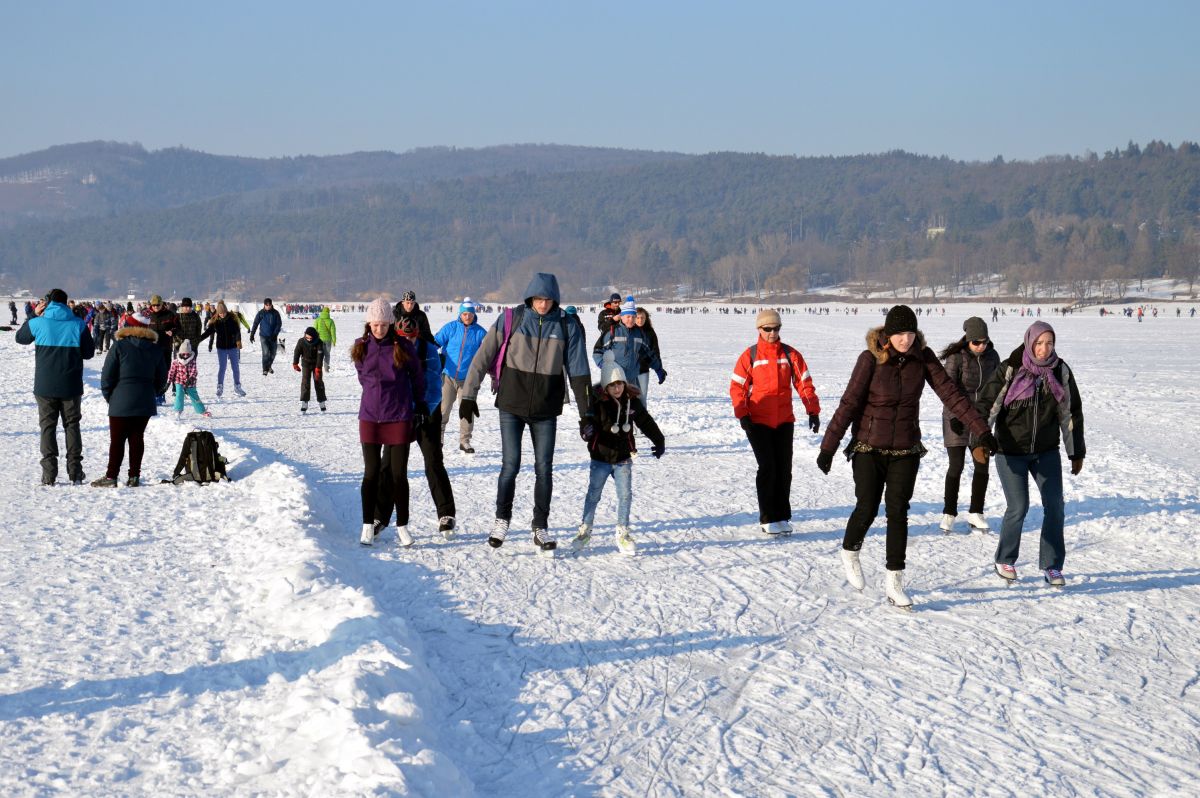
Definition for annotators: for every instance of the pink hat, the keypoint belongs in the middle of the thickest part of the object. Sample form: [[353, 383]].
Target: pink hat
[[379, 311]]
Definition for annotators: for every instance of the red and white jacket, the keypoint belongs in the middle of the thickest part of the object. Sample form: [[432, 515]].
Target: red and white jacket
[[763, 388]]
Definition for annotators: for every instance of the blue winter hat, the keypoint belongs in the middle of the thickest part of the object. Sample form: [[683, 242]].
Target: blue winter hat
[[629, 307], [467, 306], [571, 310]]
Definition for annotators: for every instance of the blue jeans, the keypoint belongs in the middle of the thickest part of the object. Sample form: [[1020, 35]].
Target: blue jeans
[[234, 358], [1014, 471], [543, 431], [269, 346], [622, 474]]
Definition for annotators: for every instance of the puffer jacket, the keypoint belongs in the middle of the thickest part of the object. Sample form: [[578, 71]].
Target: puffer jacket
[[969, 372], [1034, 425], [617, 447], [63, 343], [388, 391], [459, 344], [532, 383], [165, 322], [326, 328], [626, 346], [762, 389], [190, 329], [882, 403], [226, 332], [134, 373]]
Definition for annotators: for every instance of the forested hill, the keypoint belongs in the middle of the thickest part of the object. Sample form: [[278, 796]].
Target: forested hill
[[726, 222]]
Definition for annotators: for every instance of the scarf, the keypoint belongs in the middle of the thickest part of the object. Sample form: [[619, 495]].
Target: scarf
[[1033, 372]]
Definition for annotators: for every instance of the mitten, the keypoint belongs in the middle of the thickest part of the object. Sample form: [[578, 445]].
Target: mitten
[[662, 376], [467, 408], [814, 422], [657, 450], [825, 461], [317, 373]]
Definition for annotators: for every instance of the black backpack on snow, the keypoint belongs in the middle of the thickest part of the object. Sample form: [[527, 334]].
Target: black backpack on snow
[[199, 461]]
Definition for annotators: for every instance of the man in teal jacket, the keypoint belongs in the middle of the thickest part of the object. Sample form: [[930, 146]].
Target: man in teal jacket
[[63, 343]]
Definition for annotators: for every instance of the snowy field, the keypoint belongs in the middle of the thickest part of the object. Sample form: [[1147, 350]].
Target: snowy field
[[236, 639]]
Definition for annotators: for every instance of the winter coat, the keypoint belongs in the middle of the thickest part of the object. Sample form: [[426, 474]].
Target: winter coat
[[226, 332], [424, 331], [882, 402], [310, 353], [607, 317], [626, 347], [427, 353], [326, 328], [164, 321], [268, 323], [183, 373], [1034, 425], [388, 391], [763, 388], [652, 338], [459, 343], [969, 372], [190, 329], [63, 343], [134, 373], [617, 447], [532, 384]]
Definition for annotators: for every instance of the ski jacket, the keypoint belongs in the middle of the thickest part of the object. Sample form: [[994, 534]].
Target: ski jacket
[[427, 353], [164, 321], [1034, 425], [626, 347], [225, 332], [183, 374], [190, 329], [762, 383], [310, 353], [459, 343], [269, 321], [532, 383], [969, 372], [882, 402], [424, 331], [628, 411], [134, 373], [326, 328], [607, 317], [652, 339], [387, 391], [63, 343]]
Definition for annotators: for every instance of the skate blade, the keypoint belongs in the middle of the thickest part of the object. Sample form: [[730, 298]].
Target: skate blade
[[905, 607]]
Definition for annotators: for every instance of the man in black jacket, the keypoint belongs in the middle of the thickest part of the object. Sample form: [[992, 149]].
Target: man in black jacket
[[164, 322]]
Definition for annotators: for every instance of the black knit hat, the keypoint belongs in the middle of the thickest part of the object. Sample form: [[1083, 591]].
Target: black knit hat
[[975, 329], [312, 331], [900, 319]]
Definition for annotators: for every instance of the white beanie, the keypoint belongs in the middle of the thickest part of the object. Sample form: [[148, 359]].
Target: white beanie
[[611, 373], [185, 348], [628, 308], [379, 311]]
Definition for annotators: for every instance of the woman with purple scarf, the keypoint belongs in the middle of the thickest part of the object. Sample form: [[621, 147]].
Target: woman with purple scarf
[[1034, 404]]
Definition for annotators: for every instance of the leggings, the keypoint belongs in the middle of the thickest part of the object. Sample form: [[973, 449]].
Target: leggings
[[373, 454], [120, 430]]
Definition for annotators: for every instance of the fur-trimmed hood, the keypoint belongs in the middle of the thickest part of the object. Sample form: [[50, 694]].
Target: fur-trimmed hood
[[877, 344], [137, 332]]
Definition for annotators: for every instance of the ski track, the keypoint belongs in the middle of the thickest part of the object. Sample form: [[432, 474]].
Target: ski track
[[714, 662]]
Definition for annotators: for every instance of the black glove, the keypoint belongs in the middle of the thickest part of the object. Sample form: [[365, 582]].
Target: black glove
[[658, 449], [467, 408], [1076, 466], [825, 461], [957, 427], [746, 423], [587, 430], [988, 441], [251, 339], [662, 376], [420, 415], [814, 422]]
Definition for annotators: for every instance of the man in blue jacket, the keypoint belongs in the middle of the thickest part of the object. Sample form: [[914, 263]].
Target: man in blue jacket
[[63, 343], [459, 340], [268, 324], [626, 344]]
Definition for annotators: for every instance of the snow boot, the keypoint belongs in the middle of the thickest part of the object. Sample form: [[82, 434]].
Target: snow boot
[[854, 574], [446, 527], [403, 537], [499, 531], [625, 543], [978, 523], [893, 587], [581, 540], [947, 524]]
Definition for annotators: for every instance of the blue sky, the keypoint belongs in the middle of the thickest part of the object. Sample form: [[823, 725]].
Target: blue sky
[[965, 79]]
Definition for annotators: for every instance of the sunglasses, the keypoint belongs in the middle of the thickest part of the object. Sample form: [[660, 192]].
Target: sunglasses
[[980, 342], [774, 329]]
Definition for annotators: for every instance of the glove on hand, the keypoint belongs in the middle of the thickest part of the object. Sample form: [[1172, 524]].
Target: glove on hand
[[957, 427], [746, 423], [587, 430], [467, 408], [295, 367], [814, 422], [657, 451], [1076, 466], [251, 339], [988, 441], [662, 377], [420, 414], [317, 373], [825, 461]]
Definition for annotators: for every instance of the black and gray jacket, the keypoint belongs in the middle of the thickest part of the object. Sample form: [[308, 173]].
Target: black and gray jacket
[[1034, 425], [970, 372]]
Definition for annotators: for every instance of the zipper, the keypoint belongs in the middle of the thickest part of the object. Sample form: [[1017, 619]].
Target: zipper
[[1037, 395], [537, 358]]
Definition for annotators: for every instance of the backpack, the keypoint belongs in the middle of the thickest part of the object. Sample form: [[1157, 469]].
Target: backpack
[[787, 355], [512, 318], [199, 461]]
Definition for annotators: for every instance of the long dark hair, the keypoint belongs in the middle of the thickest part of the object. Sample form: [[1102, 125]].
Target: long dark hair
[[359, 350], [954, 348]]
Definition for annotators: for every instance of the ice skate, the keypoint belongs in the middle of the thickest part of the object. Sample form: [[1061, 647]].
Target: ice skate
[[978, 523], [367, 536], [893, 587], [403, 538], [625, 543], [499, 531], [446, 527], [947, 524], [583, 538], [854, 574], [1006, 572], [544, 540], [1054, 578]]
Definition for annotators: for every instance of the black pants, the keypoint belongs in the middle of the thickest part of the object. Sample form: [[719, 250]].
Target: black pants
[[306, 374], [891, 478], [122, 430], [378, 488], [979, 481], [429, 439], [773, 451]]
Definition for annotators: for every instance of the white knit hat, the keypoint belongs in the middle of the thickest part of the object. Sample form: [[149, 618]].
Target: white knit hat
[[379, 311], [611, 373]]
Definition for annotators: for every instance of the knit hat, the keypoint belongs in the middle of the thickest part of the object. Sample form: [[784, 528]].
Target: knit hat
[[156, 300], [629, 307], [615, 297], [467, 306], [611, 373], [409, 296], [186, 302], [185, 350], [379, 311], [975, 329], [571, 310], [139, 319], [267, 301], [311, 331], [900, 319], [768, 317]]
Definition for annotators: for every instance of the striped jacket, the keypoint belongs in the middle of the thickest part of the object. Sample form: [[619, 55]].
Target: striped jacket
[[762, 386]]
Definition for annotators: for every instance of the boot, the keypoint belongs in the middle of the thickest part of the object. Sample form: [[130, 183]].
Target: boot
[[854, 574], [367, 537], [893, 586], [402, 537], [947, 523], [977, 522]]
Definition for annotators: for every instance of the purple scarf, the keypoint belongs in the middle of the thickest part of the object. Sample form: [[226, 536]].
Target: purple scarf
[[1025, 383]]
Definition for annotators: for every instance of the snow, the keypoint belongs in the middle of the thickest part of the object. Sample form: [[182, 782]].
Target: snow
[[235, 638]]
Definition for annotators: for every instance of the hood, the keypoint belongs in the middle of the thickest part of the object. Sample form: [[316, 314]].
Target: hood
[[137, 332], [543, 284], [324, 313], [876, 340], [57, 311]]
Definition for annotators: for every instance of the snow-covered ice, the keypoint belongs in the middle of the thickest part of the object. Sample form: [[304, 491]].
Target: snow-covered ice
[[236, 639]]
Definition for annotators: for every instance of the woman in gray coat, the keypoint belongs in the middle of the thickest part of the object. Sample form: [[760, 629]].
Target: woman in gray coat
[[134, 376], [969, 361]]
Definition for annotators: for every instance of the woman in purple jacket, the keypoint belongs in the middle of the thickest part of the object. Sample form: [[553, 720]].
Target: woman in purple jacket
[[391, 376]]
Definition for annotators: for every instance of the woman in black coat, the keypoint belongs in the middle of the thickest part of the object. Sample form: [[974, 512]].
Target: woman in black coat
[[134, 376]]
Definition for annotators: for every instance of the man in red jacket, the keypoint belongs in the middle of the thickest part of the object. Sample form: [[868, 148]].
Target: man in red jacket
[[761, 390]]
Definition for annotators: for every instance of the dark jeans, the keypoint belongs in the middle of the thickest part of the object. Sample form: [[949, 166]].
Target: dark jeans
[[50, 410], [979, 481], [429, 439], [269, 345], [122, 429], [1014, 471], [374, 505], [773, 451], [891, 478], [306, 375], [543, 431]]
